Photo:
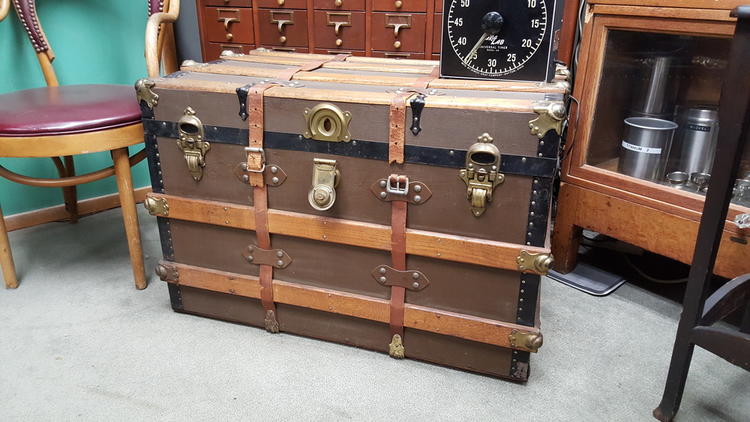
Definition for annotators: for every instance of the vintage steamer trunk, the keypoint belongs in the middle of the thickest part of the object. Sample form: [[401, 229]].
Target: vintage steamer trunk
[[357, 200]]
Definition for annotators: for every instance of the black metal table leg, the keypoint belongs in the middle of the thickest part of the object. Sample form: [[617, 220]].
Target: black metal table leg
[[734, 125]]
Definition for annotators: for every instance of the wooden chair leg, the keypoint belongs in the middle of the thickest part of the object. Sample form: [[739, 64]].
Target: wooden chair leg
[[129, 215], [6, 257], [70, 193]]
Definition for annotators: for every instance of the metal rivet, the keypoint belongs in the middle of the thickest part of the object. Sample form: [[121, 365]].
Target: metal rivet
[[382, 279], [274, 180], [540, 154], [382, 183], [382, 270], [494, 167], [274, 169], [280, 254], [541, 142], [417, 188], [523, 281], [417, 198], [415, 275], [451, 152], [536, 181], [415, 285], [244, 166], [245, 178], [279, 263], [528, 243], [534, 192], [528, 234], [533, 202], [354, 143], [531, 213], [522, 290], [531, 224], [520, 300], [250, 258], [383, 194], [523, 159], [520, 308]]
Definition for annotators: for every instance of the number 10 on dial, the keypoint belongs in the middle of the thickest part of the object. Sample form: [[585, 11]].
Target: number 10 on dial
[[499, 39]]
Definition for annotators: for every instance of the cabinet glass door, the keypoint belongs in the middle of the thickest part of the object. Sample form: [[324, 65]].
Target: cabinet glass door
[[656, 112]]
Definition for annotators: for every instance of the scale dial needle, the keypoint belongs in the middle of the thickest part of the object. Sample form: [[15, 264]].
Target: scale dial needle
[[473, 51]]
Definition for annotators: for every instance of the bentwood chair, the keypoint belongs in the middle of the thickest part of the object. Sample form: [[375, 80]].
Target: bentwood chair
[[59, 122]]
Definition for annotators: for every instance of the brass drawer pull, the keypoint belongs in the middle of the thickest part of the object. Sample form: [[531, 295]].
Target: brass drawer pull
[[397, 22], [228, 20]]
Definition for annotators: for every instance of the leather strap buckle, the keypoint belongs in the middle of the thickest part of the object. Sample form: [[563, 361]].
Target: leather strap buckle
[[253, 150]]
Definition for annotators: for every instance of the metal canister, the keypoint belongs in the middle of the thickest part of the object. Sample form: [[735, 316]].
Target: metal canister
[[695, 143], [645, 147], [658, 91]]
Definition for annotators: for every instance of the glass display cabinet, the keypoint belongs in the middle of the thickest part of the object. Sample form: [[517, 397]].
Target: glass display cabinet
[[638, 160]]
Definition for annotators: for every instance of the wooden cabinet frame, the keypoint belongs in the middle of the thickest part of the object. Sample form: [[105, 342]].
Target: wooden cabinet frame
[[586, 185]]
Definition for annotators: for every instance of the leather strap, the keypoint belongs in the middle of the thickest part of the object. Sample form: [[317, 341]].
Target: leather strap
[[256, 157], [288, 74], [398, 259], [256, 165], [397, 117], [424, 81]]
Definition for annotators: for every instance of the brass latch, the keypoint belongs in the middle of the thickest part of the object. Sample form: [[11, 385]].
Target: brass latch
[[525, 340], [325, 179], [481, 174], [156, 206], [327, 122], [536, 262], [192, 143]]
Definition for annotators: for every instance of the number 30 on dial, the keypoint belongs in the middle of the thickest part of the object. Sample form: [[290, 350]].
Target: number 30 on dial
[[498, 39]]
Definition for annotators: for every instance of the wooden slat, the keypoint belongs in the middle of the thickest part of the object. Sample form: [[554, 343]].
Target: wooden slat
[[691, 4], [664, 12], [302, 59], [354, 233], [359, 306]]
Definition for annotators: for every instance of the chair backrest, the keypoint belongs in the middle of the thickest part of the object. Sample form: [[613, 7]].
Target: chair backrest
[[26, 12]]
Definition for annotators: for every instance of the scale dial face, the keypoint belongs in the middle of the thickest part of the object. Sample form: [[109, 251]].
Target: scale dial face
[[497, 39]]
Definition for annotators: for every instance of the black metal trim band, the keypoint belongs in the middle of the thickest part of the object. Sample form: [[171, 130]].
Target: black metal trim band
[[540, 167], [175, 297], [527, 299], [519, 365], [165, 235]]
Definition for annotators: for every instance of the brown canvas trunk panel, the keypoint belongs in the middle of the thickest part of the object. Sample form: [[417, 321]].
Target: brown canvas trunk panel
[[453, 286], [430, 347]]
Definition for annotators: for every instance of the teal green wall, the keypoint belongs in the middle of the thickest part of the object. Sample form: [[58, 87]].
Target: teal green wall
[[95, 41]]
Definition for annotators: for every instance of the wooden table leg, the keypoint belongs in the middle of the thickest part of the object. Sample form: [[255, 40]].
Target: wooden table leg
[[129, 214], [6, 257], [566, 236]]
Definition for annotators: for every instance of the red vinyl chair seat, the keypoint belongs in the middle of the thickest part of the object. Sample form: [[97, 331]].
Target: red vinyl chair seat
[[69, 109]]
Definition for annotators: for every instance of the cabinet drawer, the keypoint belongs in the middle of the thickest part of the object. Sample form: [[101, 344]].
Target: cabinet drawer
[[438, 6], [398, 55], [228, 24], [213, 50], [341, 51], [287, 49], [285, 4], [398, 31], [226, 3], [400, 5], [284, 28], [342, 30], [436, 32], [339, 4]]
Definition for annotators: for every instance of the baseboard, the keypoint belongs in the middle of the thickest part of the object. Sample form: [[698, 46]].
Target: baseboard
[[57, 213]]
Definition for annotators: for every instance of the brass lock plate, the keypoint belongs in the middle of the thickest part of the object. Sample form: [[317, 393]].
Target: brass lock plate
[[192, 143], [327, 122], [325, 179], [481, 173]]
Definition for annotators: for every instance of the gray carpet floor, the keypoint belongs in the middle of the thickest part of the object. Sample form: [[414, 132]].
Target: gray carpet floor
[[78, 342]]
